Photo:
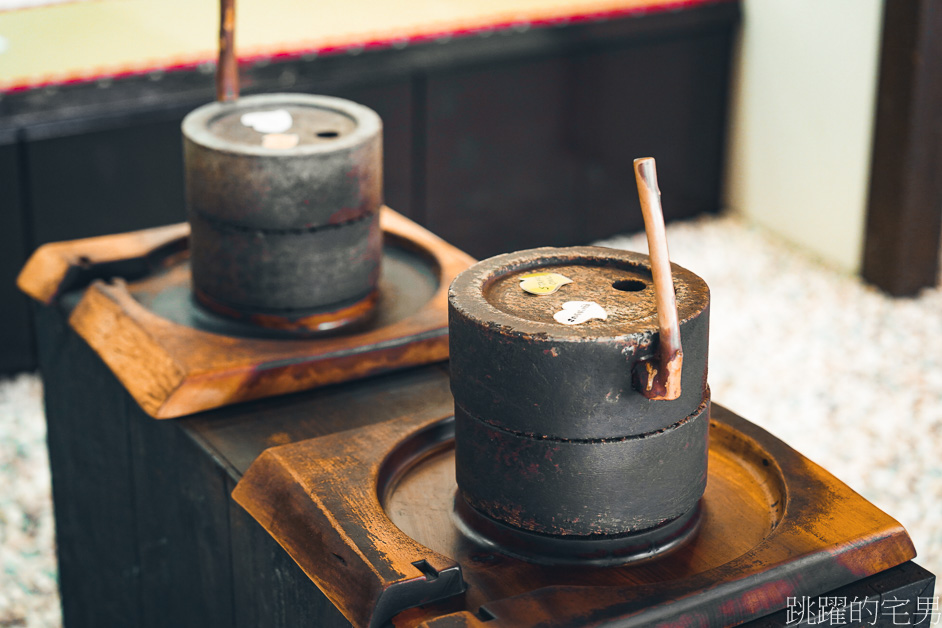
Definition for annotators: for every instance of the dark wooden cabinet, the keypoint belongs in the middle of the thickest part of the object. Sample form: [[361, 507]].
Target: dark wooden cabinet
[[16, 338], [110, 180]]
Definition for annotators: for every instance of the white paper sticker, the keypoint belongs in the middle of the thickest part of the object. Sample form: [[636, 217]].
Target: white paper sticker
[[277, 121], [575, 312]]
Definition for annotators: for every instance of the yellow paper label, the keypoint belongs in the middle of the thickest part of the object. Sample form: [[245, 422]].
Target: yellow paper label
[[543, 283]]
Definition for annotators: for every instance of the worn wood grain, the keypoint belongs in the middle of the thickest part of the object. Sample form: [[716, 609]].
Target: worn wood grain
[[269, 589], [371, 562]]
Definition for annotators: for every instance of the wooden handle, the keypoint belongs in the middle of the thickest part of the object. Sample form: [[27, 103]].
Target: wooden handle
[[661, 380], [227, 70]]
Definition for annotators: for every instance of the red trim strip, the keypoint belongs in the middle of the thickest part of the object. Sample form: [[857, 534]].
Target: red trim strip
[[381, 44]]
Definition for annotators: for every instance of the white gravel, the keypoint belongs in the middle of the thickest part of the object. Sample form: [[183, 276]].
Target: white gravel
[[847, 376], [844, 374], [28, 594]]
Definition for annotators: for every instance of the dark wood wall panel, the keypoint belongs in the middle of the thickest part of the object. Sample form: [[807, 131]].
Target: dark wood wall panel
[[131, 176], [393, 102], [499, 176], [182, 530], [539, 152], [625, 108], [106, 181], [16, 338]]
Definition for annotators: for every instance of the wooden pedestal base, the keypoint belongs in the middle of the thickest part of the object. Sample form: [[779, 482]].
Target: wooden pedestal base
[[176, 358], [368, 515]]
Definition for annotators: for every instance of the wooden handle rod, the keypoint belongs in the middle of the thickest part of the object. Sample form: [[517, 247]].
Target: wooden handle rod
[[661, 380], [227, 70]]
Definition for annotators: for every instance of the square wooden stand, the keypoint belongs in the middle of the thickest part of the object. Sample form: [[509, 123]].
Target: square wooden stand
[[176, 359]]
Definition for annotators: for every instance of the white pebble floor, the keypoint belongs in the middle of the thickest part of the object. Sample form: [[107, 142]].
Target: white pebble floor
[[848, 376], [28, 593]]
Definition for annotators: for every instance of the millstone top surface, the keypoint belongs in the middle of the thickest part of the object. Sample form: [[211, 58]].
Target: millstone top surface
[[282, 125], [619, 282], [311, 125]]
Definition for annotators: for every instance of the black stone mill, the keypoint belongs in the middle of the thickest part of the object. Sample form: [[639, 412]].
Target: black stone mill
[[283, 198], [581, 420]]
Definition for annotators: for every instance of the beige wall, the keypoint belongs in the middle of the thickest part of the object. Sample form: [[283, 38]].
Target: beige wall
[[801, 121]]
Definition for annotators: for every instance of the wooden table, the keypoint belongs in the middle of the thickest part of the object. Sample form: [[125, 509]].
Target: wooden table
[[147, 532]]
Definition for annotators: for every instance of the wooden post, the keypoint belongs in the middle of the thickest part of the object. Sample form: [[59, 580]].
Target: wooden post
[[904, 213]]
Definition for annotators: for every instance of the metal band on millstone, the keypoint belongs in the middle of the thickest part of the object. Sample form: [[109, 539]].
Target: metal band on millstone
[[552, 438], [284, 209]]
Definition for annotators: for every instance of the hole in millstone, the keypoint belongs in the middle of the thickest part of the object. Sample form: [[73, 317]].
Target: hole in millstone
[[328, 134], [629, 285]]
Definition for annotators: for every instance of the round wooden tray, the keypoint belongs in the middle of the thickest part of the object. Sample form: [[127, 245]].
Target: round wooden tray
[[745, 491]]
